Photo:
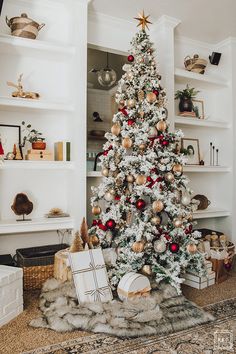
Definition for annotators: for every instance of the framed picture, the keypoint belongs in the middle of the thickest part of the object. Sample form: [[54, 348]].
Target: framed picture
[[190, 147], [10, 135], [198, 107]]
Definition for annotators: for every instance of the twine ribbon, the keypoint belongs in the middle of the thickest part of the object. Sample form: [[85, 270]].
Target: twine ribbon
[[138, 293]]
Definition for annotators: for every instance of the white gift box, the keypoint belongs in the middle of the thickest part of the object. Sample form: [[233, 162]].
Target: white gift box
[[90, 276], [133, 285], [198, 282]]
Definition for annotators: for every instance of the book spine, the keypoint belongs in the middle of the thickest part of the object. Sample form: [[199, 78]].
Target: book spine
[[58, 151]]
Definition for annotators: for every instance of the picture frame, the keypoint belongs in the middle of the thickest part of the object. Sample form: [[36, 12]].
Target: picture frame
[[10, 135], [199, 108], [190, 147]]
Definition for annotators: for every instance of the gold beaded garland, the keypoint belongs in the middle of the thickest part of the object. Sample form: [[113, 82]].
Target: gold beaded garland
[[157, 206], [96, 210], [151, 97], [156, 220], [161, 126], [105, 172], [115, 129], [141, 179], [127, 143]]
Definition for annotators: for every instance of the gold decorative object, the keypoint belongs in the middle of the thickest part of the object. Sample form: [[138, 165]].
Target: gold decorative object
[[127, 143], [143, 20], [77, 244], [191, 248], [131, 103], [141, 179], [169, 177], [161, 126], [157, 206], [151, 97], [109, 196], [138, 246], [142, 147], [94, 240], [130, 178], [115, 129], [129, 75], [105, 172], [96, 210], [141, 95], [20, 92], [177, 168], [156, 220], [177, 222], [146, 269]]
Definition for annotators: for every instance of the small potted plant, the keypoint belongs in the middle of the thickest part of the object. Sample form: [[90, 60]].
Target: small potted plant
[[185, 98], [34, 137]]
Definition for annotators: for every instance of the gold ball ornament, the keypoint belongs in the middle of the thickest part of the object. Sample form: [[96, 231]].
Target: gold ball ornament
[[157, 206], [141, 113], [105, 172], [142, 147], [138, 246], [161, 126], [141, 179], [191, 248], [109, 196], [131, 103], [146, 269], [169, 177], [177, 222], [156, 220], [127, 143], [130, 178], [96, 210], [94, 240], [115, 129], [151, 97], [177, 168], [159, 246]]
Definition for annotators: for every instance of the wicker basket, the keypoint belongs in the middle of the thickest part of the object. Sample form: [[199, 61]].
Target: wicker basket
[[37, 264], [195, 64], [23, 26]]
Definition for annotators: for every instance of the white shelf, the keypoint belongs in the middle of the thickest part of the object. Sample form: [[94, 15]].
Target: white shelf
[[24, 46], [42, 224], [37, 165], [183, 76], [26, 105], [94, 174], [210, 213], [198, 168], [186, 122]]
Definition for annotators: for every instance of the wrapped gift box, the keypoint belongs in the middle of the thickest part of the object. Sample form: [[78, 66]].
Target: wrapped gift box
[[133, 285], [90, 276], [197, 282]]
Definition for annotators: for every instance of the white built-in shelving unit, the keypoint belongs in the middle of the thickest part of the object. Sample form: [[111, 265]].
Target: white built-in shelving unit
[[55, 66]]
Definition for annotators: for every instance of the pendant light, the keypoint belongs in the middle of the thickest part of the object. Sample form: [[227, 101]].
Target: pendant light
[[107, 76]]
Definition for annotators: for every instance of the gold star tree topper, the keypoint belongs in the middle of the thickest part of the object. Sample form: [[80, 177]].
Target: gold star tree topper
[[143, 20]]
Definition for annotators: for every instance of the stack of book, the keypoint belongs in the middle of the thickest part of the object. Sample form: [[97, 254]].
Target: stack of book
[[200, 282]]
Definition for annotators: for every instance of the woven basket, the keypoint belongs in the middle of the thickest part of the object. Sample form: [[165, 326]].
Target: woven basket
[[24, 27], [195, 64], [37, 264]]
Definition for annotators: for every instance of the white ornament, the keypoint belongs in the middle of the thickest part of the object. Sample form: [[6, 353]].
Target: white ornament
[[186, 199], [108, 196], [159, 246], [126, 67], [152, 132]]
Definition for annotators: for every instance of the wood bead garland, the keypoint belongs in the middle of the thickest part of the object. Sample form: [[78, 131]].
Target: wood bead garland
[[105, 172], [141, 179], [138, 246], [151, 97], [115, 129], [127, 143], [161, 126], [157, 206], [96, 210]]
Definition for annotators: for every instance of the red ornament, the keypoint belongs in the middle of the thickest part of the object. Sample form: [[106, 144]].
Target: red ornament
[[227, 266], [102, 227], [105, 152], [123, 110], [156, 92], [96, 222], [149, 179], [140, 204], [164, 143], [110, 224], [174, 247], [1, 149], [130, 121], [130, 58], [117, 197]]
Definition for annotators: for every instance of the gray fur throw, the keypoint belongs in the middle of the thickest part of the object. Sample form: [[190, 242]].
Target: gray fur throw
[[163, 312]]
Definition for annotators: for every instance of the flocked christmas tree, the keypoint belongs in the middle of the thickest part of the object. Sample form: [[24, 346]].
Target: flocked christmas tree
[[143, 206]]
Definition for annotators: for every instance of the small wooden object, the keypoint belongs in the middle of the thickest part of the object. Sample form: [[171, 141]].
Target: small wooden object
[[62, 270]]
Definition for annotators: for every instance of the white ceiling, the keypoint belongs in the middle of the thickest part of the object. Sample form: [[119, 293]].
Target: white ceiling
[[205, 20]]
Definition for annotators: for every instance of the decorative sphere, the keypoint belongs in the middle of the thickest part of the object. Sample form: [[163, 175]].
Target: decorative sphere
[[186, 199], [177, 168], [156, 220], [127, 143], [94, 239], [142, 147], [161, 126], [130, 58], [159, 246], [130, 121], [130, 178], [140, 204], [174, 247], [146, 269], [141, 179], [165, 143], [138, 246], [108, 196], [115, 129], [96, 210], [152, 132], [130, 75], [169, 177], [110, 224], [105, 172], [191, 248], [177, 222], [157, 206], [131, 103], [151, 97]]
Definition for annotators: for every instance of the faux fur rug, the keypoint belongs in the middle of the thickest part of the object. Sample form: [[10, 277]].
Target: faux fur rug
[[163, 312]]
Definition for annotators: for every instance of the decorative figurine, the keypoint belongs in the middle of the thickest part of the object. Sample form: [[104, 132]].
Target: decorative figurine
[[22, 206], [20, 92]]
